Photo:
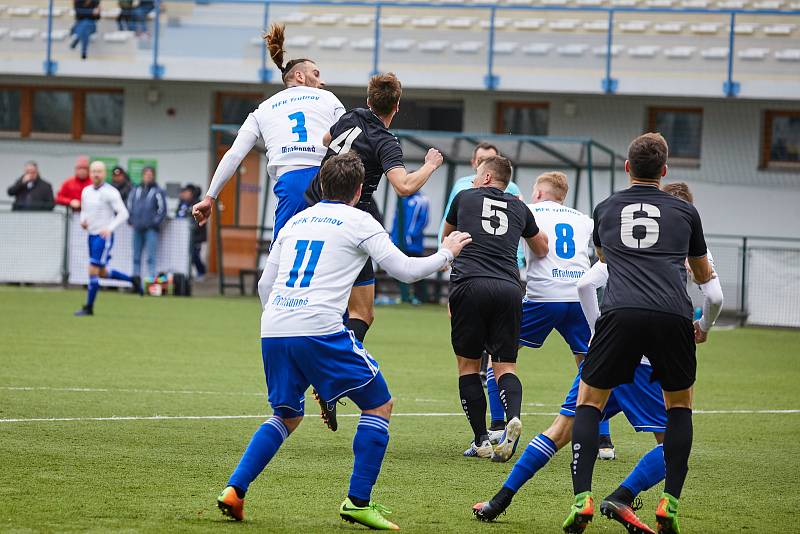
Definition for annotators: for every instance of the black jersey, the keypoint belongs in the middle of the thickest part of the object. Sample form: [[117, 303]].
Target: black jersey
[[496, 221], [646, 235], [362, 131]]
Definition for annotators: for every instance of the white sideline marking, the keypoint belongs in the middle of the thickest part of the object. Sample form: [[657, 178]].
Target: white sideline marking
[[265, 416]]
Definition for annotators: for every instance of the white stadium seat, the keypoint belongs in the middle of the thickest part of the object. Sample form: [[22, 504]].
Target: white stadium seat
[[119, 37], [468, 47], [528, 24], [332, 43], [596, 25], [732, 4], [658, 3], [680, 52], [434, 46], [794, 6], [25, 34], [326, 19], [669, 27], [753, 54], [553, 2], [519, 2], [257, 41], [624, 3], [399, 45], [394, 21], [717, 52], [499, 23], [537, 49], [426, 22], [57, 12], [705, 28], [563, 25], [298, 17], [572, 50], [299, 41], [696, 4], [110, 14], [790, 54], [768, 4], [634, 26], [359, 20], [55, 35], [363, 44], [644, 51], [20, 11], [602, 51], [505, 48], [779, 30], [747, 28], [460, 23], [589, 2], [3, 32]]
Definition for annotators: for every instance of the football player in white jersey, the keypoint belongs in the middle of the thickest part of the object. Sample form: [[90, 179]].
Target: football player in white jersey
[[551, 297], [102, 211], [292, 124], [304, 292]]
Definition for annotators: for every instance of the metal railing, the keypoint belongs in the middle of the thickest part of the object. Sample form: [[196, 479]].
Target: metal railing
[[608, 84]]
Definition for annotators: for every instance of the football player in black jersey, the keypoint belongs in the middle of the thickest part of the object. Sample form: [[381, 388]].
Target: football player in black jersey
[[365, 131], [486, 298], [644, 235]]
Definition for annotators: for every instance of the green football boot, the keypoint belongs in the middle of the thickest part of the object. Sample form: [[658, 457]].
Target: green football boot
[[371, 516], [667, 515], [581, 513]]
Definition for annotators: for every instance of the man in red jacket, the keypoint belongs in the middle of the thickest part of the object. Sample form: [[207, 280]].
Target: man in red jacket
[[71, 189]]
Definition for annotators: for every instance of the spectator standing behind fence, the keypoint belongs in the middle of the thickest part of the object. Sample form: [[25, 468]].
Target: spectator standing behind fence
[[70, 192], [189, 196], [147, 205], [141, 12], [31, 192], [120, 180], [87, 12], [126, 20], [414, 209]]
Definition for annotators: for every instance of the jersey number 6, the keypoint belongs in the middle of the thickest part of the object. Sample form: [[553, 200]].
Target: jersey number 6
[[492, 212], [649, 236]]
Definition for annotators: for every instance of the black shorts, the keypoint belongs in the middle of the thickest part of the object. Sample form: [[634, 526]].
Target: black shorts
[[485, 314], [367, 275], [623, 336]]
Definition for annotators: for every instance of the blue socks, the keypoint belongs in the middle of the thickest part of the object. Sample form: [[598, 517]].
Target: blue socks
[[605, 429], [265, 443], [94, 287], [369, 447], [648, 472], [116, 275], [536, 455], [495, 404]]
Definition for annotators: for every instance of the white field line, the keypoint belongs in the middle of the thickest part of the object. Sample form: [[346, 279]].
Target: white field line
[[264, 416]]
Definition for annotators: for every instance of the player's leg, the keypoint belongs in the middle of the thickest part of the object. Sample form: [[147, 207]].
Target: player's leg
[[97, 246], [361, 306], [496, 411], [290, 191], [138, 246], [151, 248], [115, 274]]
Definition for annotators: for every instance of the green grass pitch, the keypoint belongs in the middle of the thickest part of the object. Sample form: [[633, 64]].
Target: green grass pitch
[[201, 357]]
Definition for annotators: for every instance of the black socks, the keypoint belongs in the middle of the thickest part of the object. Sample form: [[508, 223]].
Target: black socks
[[623, 495], [677, 446], [585, 444], [358, 327], [473, 401], [510, 394]]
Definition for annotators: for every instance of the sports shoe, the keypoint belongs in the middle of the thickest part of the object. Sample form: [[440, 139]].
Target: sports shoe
[[485, 450], [507, 444], [230, 504], [137, 286], [667, 515], [606, 450], [489, 510], [85, 311], [496, 435], [327, 412], [581, 513], [626, 515], [371, 516]]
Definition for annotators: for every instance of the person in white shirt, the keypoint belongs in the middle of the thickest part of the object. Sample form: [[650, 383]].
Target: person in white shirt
[[304, 292], [292, 124], [102, 211]]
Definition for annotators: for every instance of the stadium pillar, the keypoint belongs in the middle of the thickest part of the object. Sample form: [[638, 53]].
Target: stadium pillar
[[590, 175], [377, 38], [730, 87], [609, 84], [50, 66], [156, 70], [491, 81], [264, 74], [576, 188], [743, 290]]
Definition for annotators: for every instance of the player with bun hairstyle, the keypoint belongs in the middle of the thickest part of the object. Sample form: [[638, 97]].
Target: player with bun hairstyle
[[292, 124]]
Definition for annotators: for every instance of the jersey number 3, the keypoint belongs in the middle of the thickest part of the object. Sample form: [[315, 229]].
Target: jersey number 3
[[302, 246], [647, 236], [494, 220], [299, 127]]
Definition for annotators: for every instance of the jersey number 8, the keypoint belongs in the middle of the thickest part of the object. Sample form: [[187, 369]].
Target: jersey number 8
[[645, 239], [492, 213]]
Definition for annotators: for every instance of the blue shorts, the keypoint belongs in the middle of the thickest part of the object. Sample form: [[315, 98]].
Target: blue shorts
[[100, 250], [337, 365], [290, 190], [540, 318], [641, 401]]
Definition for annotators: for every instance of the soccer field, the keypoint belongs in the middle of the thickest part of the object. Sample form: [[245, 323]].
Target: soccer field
[[133, 420]]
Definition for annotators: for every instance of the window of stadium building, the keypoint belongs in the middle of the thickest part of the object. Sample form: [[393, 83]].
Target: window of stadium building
[[61, 113], [421, 114], [781, 145], [522, 118], [682, 128]]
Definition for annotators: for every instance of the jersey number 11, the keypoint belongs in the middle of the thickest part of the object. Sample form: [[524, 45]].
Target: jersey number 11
[[302, 246]]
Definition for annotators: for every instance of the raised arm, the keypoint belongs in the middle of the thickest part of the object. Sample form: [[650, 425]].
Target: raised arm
[[406, 183], [408, 270]]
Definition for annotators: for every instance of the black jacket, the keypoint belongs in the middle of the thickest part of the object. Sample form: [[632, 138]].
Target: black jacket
[[124, 189], [33, 196]]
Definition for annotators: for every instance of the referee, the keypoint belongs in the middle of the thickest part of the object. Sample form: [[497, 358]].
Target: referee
[[486, 300], [644, 235]]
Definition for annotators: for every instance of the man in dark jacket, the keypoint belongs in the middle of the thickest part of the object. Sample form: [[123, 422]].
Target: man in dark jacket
[[120, 180], [30, 192], [189, 196], [147, 205]]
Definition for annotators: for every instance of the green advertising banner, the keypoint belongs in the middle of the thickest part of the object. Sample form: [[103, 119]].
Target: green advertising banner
[[110, 162], [135, 166]]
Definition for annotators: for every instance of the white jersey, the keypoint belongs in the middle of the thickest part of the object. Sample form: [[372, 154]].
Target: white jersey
[[102, 208], [292, 124], [319, 254], [554, 277]]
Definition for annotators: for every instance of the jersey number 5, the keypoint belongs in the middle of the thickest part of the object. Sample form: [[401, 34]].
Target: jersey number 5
[[302, 246], [648, 235], [299, 127], [492, 213]]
